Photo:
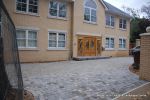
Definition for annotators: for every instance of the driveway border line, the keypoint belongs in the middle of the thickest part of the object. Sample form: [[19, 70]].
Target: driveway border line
[[131, 90]]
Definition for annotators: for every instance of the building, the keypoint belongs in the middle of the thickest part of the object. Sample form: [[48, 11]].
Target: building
[[56, 30]]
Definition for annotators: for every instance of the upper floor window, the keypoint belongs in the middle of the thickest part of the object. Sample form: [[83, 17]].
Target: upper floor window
[[122, 43], [26, 38], [57, 40], [27, 6], [110, 20], [109, 43], [57, 9], [123, 23], [90, 11]]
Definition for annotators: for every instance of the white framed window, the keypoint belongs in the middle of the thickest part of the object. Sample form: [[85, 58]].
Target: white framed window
[[123, 23], [26, 38], [110, 20], [56, 39], [109, 43], [122, 43], [27, 6], [57, 9], [90, 11]]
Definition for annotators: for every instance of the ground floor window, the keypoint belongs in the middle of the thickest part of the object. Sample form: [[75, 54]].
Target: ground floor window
[[122, 43], [26, 38], [109, 43], [57, 40]]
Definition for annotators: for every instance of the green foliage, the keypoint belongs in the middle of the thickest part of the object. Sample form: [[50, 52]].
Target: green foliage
[[138, 26]]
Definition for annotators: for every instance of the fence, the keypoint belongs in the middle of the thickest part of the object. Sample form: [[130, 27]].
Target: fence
[[10, 72]]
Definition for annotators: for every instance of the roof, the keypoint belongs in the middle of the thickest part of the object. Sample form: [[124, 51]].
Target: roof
[[114, 10]]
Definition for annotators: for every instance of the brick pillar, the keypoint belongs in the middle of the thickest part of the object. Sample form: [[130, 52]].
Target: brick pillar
[[145, 56]]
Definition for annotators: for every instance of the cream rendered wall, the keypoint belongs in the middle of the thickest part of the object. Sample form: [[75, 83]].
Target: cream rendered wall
[[80, 27], [117, 33], [43, 23]]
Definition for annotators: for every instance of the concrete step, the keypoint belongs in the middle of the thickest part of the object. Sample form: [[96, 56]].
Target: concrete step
[[81, 58]]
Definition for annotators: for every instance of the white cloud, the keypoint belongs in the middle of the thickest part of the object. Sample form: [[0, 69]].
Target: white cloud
[[137, 4]]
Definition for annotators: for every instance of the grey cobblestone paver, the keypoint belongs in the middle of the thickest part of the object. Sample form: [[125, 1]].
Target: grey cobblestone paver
[[80, 80]]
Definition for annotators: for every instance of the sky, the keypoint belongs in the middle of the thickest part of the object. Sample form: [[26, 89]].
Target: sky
[[137, 4]]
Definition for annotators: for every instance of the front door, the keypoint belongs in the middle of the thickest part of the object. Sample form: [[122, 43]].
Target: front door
[[88, 46]]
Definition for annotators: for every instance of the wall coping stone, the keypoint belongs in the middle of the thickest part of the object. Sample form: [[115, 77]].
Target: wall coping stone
[[145, 34]]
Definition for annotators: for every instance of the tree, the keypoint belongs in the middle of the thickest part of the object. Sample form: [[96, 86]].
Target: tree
[[138, 26], [135, 13], [146, 9]]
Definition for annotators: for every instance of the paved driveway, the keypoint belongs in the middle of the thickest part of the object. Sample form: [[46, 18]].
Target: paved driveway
[[80, 80]]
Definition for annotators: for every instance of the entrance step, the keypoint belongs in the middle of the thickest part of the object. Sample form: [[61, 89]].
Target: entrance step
[[81, 58]]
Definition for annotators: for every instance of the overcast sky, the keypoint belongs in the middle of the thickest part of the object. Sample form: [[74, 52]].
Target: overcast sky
[[137, 4]]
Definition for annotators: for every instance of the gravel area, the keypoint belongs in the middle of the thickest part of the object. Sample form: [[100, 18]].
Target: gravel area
[[102, 79]]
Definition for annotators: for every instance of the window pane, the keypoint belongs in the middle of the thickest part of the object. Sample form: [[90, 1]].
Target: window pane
[[87, 17], [52, 43], [107, 43], [32, 43], [120, 45], [21, 34], [32, 35], [112, 21], [124, 43], [33, 2], [124, 26], [120, 25], [112, 43], [93, 12], [120, 41], [90, 3], [24, 1], [61, 36], [61, 43], [87, 11], [33, 9], [52, 36], [93, 18], [112, 24], [53, 12], [53, 5], [62, 13], [120, 21], [124, 21], [87, 14], [107, 20], [62, 6], [53, 8], [21, 7], [21, 42]]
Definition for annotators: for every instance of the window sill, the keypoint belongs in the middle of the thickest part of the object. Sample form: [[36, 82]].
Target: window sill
[[112, 27], [122, 29], [26, 13], [109, 49], [57, 49], [28, 49], [88, 22], [122, 49], [59, 18]]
